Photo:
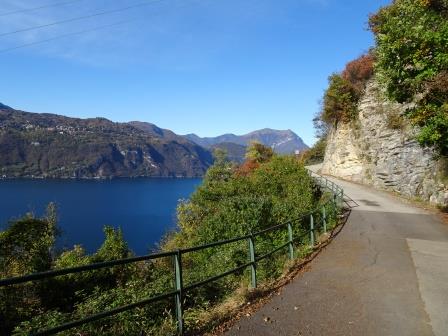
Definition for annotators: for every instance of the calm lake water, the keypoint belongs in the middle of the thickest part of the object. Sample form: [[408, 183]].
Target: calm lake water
[[145, 209]]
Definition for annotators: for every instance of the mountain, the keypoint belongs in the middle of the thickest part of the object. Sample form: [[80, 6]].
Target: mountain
[[4, 107], [283, 142], [235, 152], [153, 130], [50, 145]]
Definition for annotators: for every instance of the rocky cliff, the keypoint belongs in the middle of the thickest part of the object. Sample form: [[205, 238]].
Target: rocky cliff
[[380, 149]]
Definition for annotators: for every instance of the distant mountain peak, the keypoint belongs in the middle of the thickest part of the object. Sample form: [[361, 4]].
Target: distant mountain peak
[[282, 141]]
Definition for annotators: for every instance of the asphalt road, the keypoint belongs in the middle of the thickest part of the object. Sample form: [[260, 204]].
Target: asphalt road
[[386, 273]]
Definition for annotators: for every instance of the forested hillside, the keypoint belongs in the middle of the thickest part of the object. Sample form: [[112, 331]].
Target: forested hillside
[[49, 145]]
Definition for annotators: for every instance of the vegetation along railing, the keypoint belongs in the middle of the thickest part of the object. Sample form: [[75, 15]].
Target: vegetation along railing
[[179, 289]]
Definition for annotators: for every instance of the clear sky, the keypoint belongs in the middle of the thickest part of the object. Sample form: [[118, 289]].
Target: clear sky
[[193, 66]]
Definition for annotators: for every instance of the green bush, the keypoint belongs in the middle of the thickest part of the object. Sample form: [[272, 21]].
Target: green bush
[[315, 154], [27, 244], [412, 62], [25, 247], [340, 102], [228, 204]]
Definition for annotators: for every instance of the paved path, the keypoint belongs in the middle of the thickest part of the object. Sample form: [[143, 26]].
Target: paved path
[[386, 273]]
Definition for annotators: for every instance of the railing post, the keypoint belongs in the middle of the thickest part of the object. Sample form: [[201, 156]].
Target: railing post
[[178, 285], [324, 218], [290, 246], [312, 229], [253, 266]]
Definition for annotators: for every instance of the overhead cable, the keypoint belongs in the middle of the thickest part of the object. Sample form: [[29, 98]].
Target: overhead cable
[[66, 35], [57, 4], [122, 9]]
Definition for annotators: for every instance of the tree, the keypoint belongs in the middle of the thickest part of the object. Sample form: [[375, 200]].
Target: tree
[[341, 99], [26, 246], [220, 156], [259, 153], [412, 63], [315, 154]]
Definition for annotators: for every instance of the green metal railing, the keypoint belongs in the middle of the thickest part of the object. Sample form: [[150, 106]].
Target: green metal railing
[[180, 289]]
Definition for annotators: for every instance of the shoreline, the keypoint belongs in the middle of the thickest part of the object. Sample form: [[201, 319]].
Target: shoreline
[[103, 178]]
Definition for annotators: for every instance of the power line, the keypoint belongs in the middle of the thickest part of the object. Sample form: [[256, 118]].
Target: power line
[[122, 9], [69, 34], [40, 7], [66, 35]]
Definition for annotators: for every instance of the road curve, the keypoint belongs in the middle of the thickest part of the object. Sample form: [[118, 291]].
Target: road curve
[[386, 273]]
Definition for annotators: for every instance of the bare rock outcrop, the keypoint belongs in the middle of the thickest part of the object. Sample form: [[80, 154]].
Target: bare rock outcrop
[[380, 149]]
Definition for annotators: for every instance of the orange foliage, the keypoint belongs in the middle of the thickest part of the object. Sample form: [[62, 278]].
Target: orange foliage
[[357, 72], [247, 168]]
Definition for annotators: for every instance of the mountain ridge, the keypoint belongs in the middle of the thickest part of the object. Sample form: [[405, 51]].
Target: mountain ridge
[[39, 145], [46, 145], [5, 107], [235, 153], [282, 141]]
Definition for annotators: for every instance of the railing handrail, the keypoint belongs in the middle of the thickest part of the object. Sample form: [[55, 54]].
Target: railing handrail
[[335, 189]]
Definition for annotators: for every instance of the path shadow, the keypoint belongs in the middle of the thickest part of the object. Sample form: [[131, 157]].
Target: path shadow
[[351, 203], [370, 203]]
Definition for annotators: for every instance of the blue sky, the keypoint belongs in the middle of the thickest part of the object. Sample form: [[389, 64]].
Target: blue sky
[[193, 66]]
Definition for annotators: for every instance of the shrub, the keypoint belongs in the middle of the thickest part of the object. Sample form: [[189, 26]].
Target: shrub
[[412, 62], [359, 71], [256, 152], [224, 208], [25, 247], [340, 102], [269, 193], [395, 121], [27, 244], [315, 154]]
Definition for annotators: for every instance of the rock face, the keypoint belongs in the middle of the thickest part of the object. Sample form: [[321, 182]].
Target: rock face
[[380, 149]]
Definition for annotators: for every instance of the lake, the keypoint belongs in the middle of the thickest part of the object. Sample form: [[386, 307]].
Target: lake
[[144, 208]]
